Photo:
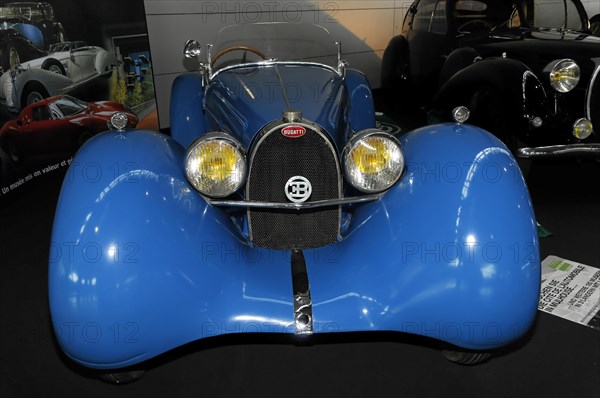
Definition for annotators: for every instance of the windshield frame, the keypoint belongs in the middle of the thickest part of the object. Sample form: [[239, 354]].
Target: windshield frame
[[210, 72]]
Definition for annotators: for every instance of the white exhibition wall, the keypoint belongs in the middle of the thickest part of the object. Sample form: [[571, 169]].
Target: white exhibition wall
[[364, 28]]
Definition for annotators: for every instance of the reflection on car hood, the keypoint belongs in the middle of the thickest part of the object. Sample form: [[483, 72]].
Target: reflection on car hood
[[243, 100], [536, 47]]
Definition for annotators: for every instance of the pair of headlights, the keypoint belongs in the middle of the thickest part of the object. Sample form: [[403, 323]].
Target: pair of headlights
[[215, 164]]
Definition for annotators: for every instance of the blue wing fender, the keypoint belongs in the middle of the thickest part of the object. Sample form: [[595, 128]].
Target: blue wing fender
[[141, 264], [187, 108]]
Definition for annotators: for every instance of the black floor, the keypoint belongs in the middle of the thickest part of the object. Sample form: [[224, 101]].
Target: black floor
[[557, 359]]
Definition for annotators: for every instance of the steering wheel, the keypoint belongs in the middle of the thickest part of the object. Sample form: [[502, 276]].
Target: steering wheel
[[238, 48], [476, 22]]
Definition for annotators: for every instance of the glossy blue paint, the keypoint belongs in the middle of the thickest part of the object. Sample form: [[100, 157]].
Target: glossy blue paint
[[31, 32], [361, 106], [187, 108], [140, 264]]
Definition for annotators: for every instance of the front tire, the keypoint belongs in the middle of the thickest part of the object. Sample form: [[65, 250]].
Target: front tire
[[122, 377], [54, 66], [32, 93], [13, 151], [466, 357], [9, 57]]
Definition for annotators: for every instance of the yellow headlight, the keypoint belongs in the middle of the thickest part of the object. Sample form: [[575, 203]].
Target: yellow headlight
[[582, 128], [371, 156], [373, 161], [216, 165]]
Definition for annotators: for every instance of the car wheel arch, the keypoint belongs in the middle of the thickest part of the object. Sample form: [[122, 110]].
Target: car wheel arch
[[503, 76], [53, 65], [30, 89]]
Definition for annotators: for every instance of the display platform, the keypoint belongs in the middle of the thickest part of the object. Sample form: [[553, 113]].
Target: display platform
[[558, 358]]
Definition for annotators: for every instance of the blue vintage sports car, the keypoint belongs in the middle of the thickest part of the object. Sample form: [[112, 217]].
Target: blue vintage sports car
[[277, 206]]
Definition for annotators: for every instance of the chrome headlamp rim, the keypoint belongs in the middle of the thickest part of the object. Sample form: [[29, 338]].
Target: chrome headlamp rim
[[229, 139], [560, 65], [351, 145]]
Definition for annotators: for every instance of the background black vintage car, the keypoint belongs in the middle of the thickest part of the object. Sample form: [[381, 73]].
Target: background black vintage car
[[527, 70], [23, 44]]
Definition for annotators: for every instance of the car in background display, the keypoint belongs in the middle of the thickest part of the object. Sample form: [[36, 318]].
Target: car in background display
[[27, 30], [68, 66], [57, 125], [528, 71], [277, 206]]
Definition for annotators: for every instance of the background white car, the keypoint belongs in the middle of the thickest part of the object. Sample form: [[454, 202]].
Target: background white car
[[67, 66]]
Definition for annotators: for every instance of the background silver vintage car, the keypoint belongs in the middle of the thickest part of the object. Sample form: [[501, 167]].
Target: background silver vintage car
[[67, 66]]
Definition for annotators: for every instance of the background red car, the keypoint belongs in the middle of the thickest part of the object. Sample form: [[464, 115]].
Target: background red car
[[57, 124]]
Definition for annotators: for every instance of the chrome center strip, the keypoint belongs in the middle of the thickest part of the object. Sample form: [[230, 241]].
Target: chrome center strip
[[303, 319], [295, 206]]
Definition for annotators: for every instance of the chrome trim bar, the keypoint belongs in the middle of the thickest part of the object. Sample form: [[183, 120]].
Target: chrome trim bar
[[303, 317], [591, 149], [588, 93], [295, 206], [271, 62]]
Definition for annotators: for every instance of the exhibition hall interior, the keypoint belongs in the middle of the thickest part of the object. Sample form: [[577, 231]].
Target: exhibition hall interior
[[300, 197]]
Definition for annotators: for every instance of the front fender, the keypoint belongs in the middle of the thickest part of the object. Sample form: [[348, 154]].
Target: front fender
[[54, 83], [450, 252], [187, 115], [104, 61], [519, 89], [141, 264]]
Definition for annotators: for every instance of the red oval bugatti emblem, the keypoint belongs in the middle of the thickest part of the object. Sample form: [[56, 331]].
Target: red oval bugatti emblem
[[293, 131]]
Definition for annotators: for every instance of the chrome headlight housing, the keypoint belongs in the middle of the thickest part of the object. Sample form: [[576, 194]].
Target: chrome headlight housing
[[373, 161], [564, 75], [215, 164]]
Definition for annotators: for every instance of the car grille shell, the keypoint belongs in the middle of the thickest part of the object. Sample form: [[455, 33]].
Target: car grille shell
[[593, 99], [274, 159]]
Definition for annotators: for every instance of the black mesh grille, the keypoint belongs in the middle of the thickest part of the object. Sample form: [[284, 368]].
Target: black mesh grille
[[276, 159]]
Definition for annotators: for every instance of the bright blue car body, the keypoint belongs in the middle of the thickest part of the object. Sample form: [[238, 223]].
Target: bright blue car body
[[142, 263]]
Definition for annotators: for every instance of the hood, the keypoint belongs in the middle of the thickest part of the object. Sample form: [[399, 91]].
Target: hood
[[537, 47], [243, 100]]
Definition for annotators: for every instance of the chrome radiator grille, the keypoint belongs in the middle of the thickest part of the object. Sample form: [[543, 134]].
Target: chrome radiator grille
[[275, 158], [593, 99]]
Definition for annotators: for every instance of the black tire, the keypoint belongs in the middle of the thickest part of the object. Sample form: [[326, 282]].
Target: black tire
[[394, 72], [466, 357], [53, 65], [33, 92], [10, 57], [122, 377], [12, 150]]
